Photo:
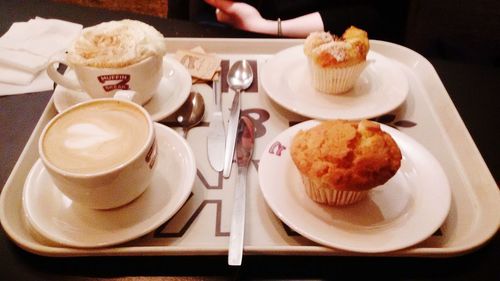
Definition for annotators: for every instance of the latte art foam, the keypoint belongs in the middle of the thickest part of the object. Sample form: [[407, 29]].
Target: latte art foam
[[96, 138], [116, 44]]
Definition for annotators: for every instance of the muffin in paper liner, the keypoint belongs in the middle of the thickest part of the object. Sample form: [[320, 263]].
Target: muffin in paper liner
[[335, 80], [331, 196], [340, 161]]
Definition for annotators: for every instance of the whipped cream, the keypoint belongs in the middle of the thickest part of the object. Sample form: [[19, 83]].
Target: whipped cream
[[116, 44]]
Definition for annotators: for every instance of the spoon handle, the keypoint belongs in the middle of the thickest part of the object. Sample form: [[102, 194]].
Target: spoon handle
[[232, 128], [235, 254]]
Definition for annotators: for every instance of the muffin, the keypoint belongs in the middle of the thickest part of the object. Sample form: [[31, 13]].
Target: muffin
[[340, 161], [335, 62]]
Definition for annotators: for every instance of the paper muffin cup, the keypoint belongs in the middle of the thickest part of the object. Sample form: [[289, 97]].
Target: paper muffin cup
[[335, 80], [331, 196]]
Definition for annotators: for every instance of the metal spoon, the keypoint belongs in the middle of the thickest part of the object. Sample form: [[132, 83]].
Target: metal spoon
[[244, 150], [239, 78], [191, 112]]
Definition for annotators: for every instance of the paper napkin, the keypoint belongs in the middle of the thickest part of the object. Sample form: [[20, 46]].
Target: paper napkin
[[25, 50], [40, 83]]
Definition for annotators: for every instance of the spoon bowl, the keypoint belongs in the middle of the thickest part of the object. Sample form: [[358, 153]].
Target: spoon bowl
[[191, 112], [240, 76]]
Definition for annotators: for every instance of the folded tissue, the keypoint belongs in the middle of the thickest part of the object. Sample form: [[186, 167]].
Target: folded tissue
[[26, 49]]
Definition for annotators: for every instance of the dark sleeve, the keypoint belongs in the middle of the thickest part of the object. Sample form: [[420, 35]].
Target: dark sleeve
[[382, 21], [338, 19], [178, 9]]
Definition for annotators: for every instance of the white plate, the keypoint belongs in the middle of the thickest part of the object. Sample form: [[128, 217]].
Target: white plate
[[172, 92], [381, 88], [55, 217], [406, 210]]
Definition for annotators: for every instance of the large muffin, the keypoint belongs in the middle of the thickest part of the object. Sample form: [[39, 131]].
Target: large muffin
[[339, 161], [335, 62]]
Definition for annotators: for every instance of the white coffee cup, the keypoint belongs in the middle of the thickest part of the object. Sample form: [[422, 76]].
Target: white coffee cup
[[142, 77], [115, 55], [100, 153]]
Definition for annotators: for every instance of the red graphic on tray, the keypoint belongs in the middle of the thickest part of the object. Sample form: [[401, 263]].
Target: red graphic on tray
[[276, 148], [114, 82], [258, 116]]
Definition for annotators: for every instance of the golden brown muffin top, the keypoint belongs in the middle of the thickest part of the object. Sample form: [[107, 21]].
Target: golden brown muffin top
[[331, 51], [346, 155]]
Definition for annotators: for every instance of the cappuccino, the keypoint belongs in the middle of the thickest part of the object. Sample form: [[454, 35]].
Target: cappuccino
[[96, 137], [116, 44], [113, 56]]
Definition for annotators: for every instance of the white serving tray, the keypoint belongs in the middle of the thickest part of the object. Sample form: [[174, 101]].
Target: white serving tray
[[201, 227]]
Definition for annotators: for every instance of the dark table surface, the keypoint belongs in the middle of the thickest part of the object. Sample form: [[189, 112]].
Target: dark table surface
[[472, 87]]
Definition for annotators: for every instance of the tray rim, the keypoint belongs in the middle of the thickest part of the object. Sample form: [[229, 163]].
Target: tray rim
[[486, 190]]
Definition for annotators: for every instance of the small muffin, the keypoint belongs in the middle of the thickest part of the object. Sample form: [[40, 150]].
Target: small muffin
[[340, 161], [336, 62]]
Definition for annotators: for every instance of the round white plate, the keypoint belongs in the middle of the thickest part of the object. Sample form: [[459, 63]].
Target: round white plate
[[381, 88], [406, 210], [55, 217], [172, 92]]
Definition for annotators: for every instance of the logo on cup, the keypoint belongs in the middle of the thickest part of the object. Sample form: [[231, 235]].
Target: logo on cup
[[121, 81], [152, 154]]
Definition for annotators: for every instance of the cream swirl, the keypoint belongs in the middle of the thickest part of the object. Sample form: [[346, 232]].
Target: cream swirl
[[116, 44]]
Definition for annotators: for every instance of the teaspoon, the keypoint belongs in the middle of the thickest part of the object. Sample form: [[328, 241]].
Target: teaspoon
[[191, 112], [239, 78], [244, 150]]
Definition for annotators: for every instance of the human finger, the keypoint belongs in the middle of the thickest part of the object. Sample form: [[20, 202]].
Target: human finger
[[223, 5], [223, 17]]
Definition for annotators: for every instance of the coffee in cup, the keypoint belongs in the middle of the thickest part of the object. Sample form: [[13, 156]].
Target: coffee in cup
[[100, 153], [112, 56]]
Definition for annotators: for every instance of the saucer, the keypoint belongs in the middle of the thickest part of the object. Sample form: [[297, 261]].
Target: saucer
[[172, 92], [57, 218], [381, 88], [404, 211]]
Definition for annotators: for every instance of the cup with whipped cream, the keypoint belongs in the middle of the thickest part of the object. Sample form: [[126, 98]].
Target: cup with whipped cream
[[112, 56]]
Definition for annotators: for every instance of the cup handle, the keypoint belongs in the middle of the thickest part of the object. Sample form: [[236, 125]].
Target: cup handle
[[61, 79], [125, 95]]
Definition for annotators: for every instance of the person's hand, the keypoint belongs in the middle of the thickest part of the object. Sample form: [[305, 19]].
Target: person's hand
[[244, 16], [237, 14]]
